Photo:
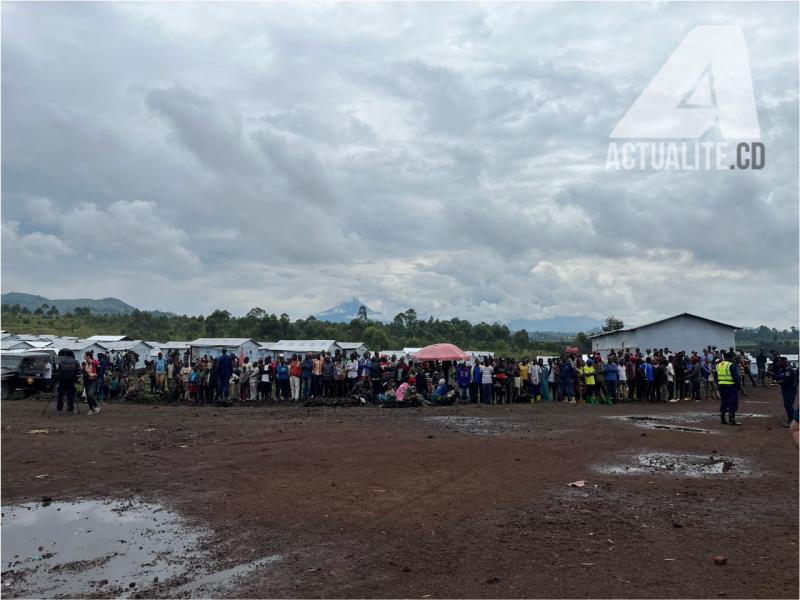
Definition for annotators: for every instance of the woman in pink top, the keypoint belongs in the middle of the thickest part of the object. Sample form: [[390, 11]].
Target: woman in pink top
[[401, 391]]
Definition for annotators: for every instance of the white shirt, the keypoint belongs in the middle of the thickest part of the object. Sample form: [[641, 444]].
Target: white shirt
[[670, 372], [352, 369], [486, 373], [621, 374], [534, 373]]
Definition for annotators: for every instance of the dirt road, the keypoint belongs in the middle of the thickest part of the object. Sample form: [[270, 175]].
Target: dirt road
[[444, 502]]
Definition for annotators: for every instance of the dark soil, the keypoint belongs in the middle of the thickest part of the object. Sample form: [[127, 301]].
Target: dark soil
[[370, 502]]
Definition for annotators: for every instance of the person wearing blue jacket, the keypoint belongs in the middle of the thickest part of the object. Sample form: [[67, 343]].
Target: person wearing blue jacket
[[567, 376], [475, 382], [650, 377], [305, 376], [224, 372], [786, 376], [612, 376]]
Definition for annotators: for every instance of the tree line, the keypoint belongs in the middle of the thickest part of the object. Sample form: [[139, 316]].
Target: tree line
[[406, 329]]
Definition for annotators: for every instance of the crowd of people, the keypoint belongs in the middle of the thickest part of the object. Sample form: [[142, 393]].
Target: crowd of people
[[630, 375]]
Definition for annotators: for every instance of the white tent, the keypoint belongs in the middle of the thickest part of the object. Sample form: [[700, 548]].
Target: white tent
[[289, 347], [357, 347], [80, 347], [108, 338], [142, 349], [15, 344], [212, 347]]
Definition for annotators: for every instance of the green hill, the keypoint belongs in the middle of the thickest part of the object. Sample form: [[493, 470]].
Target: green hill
[[103, 306]]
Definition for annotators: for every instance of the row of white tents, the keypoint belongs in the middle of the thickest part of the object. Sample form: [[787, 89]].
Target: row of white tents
[[212, 347]]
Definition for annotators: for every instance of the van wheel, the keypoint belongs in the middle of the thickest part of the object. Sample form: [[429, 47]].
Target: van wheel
[[5, 391]]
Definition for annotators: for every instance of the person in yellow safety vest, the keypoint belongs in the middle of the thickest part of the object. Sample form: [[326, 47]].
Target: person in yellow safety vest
[[728, 382]]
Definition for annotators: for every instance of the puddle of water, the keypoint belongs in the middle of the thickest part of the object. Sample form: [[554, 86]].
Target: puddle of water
[[90, 547], [475, 425], [664, 422], [686, 465], [677, 422], [213, 582]]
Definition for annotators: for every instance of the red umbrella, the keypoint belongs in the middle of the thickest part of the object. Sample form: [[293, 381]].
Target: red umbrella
[[441, 352]]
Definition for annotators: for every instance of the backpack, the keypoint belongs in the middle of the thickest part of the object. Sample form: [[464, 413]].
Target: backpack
[[67, 369]]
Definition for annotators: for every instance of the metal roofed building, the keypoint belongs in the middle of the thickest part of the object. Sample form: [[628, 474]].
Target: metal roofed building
[[289, 347], [79, 347], [357, 347], [108, 338], [212, 347], [142, 349], [12, 343], [685, 332]]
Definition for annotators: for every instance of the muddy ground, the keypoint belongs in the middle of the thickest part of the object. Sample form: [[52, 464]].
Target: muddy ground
[[370, 502]]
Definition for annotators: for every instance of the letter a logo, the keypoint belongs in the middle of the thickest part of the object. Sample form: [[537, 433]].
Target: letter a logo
[[706, 82]]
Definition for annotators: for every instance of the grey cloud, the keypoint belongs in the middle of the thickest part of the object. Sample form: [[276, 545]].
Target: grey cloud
[[446, 157]]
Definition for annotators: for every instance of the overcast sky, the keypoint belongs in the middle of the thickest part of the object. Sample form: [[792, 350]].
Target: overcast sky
[[445, 157]]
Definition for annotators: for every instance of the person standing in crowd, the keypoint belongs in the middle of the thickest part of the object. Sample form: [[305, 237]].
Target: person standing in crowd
[[352, 372], [601, 391], [534, 381], [710, 387], [170, 373], [680, 377], [695, 378], [339, 375], [160, 369], [475, 382], [671, 378], [786, 377], [660, 380], [306, 372], [649, 379], [327, 378], [68, 369], [255, 379], [487, 372], [728, 381], [283, 389], [622, 380], [761, 366], [463, 376], [317, 368], [295, 371], [567, 375], [90, 382], [611, 376], [224, 372], [544, 380]]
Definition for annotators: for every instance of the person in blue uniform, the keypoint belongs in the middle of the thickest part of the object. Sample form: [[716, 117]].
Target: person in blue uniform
[[786, 377]]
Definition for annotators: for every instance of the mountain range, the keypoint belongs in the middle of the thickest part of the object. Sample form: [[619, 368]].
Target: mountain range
[[106, 306]]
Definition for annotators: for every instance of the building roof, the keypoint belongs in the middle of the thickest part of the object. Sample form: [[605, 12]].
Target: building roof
[[300, 345], [351, 345], [108, 338], [76, 344], [27, 337], [685, 314], [39, 343], [14, 343], [171, 344], [125, 344], [226, 342]]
